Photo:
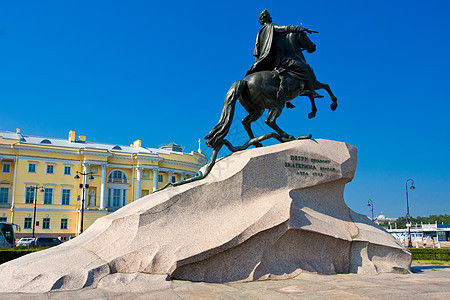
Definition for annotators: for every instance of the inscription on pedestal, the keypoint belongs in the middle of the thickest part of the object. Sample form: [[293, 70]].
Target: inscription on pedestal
[[307, 166]]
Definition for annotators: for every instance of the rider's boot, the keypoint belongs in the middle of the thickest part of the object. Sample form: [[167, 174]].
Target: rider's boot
[[280, 92], [312, 90]]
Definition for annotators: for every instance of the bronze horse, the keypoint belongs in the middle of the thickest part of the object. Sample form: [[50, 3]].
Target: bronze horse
[[270, 90]]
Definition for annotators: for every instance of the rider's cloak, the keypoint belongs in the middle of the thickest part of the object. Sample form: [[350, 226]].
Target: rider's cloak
[[263, 55]]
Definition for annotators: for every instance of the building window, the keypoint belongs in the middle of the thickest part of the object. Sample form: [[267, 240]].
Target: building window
[[67, 170], [65, 197], [46, 223], [4, 194], [117, 198], [32, 168], [48, 195], [6, 168], [160, 178], [27, 223], [29, 194], [3, 219], [50, 169], [64, 223], [174, 179], [117, 176]]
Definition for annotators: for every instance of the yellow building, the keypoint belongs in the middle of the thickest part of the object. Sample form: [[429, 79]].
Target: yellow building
[[121, 174]]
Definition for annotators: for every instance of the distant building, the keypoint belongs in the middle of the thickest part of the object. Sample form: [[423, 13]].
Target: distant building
[[439, 232], [122, 174], [382, 218]]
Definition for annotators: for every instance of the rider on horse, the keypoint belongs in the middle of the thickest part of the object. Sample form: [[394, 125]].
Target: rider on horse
[[270, 53]]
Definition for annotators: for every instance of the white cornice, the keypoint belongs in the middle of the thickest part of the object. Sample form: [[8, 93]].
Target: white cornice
[[182, 164], [46, 209], [120, 166], [6, 146], [154, 158], [75, 161], [72, 152], [147, 167], [78, 154], [2, 156], [93, 162], [127, 157], [92, 152]]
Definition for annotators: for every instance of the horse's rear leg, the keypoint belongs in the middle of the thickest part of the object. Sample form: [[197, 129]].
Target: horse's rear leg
[[274, 113], [251, 117], [319, 85]]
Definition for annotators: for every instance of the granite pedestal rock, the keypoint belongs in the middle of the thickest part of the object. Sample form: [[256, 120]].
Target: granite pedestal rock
[[263, 213]]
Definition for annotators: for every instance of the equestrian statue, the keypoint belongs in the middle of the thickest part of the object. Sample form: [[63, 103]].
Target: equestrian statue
[[280, 74]]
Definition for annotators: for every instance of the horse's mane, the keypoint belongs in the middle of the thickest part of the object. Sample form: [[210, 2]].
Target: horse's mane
[[294, 41]]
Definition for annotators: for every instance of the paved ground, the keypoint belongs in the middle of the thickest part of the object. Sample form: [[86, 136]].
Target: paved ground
[[426, 282]]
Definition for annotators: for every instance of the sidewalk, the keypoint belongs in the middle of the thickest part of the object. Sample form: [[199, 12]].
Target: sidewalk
[[426, 282]]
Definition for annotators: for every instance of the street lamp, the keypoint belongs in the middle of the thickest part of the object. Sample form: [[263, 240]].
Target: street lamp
[[408, 216], [35, 202], [83, 186], [370, 204]]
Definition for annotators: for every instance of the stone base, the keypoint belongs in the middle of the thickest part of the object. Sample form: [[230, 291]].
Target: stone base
[[263, 213]]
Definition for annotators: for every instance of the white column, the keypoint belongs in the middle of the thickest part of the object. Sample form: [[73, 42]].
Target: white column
[[169, 176], [85, 180], [103, 188], [155, 179], [183, 176], [138, 182], [124, 197]]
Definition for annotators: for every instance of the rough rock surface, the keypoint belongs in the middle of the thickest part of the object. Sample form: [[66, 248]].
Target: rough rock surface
[[263, 213]]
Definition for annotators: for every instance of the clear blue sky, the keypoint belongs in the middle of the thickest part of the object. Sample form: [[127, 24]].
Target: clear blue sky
[[118, 71]]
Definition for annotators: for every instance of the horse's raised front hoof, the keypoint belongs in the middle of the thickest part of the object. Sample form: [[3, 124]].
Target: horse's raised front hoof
[[333, 106], [257, 145], [305, 137], [287, 138], [311, 115]]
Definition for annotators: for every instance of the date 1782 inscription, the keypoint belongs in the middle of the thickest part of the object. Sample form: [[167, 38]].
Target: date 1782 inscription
[[309, 166]]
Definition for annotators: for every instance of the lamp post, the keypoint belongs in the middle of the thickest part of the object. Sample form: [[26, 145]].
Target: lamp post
[[35, 202], [408, 216], [83, 186], [370, 204]]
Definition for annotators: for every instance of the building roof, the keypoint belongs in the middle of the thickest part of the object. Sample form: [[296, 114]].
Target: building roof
[[36, 140], [173, 147]]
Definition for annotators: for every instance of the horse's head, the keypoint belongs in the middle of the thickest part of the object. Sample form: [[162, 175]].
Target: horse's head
[[306, 43], [300, 41]]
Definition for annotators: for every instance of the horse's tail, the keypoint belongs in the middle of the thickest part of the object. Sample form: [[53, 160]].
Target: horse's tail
[[219, 131]]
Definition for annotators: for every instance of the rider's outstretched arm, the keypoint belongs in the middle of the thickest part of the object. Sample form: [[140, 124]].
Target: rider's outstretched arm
[[291, 28]]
